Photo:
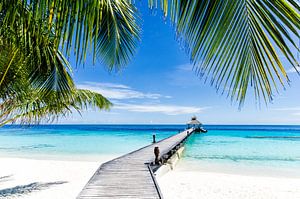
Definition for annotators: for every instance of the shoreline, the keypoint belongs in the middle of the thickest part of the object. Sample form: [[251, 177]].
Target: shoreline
[[62, 157], [35, 178]]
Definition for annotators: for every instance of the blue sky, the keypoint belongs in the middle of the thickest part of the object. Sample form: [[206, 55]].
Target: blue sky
[[159, 86]]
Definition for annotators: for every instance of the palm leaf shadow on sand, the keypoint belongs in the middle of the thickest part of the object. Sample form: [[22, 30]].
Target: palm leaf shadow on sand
[[5, 178], [26, 189]]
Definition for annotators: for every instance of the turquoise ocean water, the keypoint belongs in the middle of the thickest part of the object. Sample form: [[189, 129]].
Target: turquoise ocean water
[[268, 147]]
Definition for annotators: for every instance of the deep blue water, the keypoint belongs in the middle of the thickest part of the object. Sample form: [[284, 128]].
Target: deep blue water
[[264, 145]]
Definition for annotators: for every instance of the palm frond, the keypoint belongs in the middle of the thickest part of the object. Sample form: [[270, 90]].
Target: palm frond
[[238, 44], [36, 84], [15, 77], [117, 39], [32, 108], [110, 28], [47, 69]]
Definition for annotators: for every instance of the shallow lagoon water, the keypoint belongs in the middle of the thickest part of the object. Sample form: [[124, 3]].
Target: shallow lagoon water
[[263, 149], [79, 142], [228, 145]]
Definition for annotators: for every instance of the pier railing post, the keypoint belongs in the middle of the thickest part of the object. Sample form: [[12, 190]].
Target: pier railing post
[[154, 138]]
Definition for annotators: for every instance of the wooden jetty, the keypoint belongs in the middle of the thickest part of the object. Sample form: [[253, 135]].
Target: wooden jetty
[[131, 175]]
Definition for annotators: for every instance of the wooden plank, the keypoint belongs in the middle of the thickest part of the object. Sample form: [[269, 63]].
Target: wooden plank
[[130, 175]]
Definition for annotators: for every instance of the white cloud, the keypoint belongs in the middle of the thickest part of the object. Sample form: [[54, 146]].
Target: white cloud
[[297, 114], [295, 111], [118, 91], [109, 85], [293, 70], [160, 108], [121, 96], [287, 109], [184, 75], [185, 67]]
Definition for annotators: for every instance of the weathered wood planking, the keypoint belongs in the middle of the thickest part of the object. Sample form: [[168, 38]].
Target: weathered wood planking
[[130, 176]]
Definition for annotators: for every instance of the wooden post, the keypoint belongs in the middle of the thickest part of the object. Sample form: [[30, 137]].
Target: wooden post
[[156, 153], [154, 140]]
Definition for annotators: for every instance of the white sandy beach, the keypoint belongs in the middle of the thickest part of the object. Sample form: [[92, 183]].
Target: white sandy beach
[[51, 179], [44, 179], [179, 184]]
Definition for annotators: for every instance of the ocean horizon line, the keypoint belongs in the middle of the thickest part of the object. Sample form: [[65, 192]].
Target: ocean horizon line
[[148, 124]]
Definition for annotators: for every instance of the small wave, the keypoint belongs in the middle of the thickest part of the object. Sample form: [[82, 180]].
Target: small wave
[[245, 158], [293, 128], [35, 146], [273, 137], [220, 142]]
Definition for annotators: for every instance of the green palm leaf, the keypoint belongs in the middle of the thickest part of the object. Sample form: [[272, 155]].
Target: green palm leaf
[[238, 44], [110, 28], [35, 81], [31, 108]]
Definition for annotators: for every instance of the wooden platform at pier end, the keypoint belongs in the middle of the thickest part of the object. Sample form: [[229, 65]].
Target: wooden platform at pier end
[[130, 176]]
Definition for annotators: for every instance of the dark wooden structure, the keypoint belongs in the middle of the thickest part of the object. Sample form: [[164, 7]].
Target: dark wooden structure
[[131, 175]]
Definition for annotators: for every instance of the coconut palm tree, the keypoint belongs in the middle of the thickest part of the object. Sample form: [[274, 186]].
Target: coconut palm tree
[[237, 44], [35, 77], [30, 95]]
